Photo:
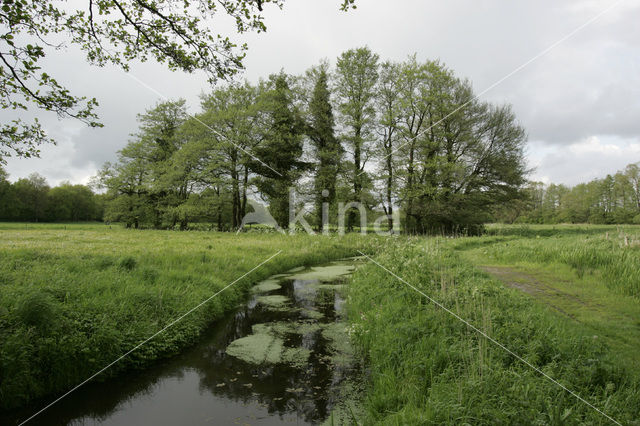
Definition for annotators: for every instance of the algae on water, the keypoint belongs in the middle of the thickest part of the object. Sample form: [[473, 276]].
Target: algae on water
[[282, 328], [342, 351], [257, 348], [312, 314], [266, 286], [298, 357], [324, 273], [267, 346], [273, 301]]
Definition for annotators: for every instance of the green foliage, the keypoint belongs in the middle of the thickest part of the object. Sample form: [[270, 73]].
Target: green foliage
[[138, 185], [327, 149], [32, 200], [355, 80], [441, 157], [235, 114], [611, 200], [459, 156], [280, 153], [110, 32]]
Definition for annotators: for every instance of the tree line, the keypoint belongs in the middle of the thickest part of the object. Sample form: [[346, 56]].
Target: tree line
[[614, 199], [404, 137], [33, 200], [388, 135]]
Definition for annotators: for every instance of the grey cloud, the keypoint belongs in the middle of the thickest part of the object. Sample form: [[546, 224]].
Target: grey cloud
[[588, 85]]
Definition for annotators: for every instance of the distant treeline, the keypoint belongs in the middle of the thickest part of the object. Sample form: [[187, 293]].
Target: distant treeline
[[614, 199], [32, 200]]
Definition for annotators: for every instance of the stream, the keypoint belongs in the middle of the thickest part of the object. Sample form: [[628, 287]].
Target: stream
[[282, 357]]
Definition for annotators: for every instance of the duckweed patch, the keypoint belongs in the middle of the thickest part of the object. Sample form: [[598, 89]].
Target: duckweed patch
[[297, 357], [273, 301], [257, 348], [282, 328], [265, 346], [342, 351], [325, 273], [311, 314], [266, 286]]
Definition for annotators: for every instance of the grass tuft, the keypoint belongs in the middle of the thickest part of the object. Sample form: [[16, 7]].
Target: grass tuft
[[127, 263]]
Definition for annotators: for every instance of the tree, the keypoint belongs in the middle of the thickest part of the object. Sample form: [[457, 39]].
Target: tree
[[127, 184], [281, 148], [388, 103], [72, 203], [447, 159], [327, 148], [234, 113], [32, 195], [462, 157], [356, 77], [139, 174], [8, 201], [612, 199], [632, 174], [174, 32], [160, 137]]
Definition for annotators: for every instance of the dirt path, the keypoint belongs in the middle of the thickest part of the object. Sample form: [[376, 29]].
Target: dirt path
[[536, 288], [605, 319]]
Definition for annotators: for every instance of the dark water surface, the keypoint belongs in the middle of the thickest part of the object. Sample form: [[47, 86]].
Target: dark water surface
[[301, 368]]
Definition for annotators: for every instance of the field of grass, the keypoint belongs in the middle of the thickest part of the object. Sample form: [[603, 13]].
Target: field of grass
[[565, 298], [427, 367], [73, 298]]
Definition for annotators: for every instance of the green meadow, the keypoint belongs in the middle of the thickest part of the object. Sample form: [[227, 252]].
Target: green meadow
[[564, 299]]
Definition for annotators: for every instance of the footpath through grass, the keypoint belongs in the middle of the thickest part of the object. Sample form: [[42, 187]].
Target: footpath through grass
[[427, 367], [75, 298], [590, 274]]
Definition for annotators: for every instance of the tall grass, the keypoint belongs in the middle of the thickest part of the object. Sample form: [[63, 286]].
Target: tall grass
[[610, 253], [427, 367], [74, 298]]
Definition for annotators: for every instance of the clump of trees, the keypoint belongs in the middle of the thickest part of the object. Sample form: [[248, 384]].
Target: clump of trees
[[33, 200], [409, 136], [614, 199]]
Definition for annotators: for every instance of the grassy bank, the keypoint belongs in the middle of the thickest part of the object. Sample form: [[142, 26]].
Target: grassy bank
[[74, 298], [427, 367]]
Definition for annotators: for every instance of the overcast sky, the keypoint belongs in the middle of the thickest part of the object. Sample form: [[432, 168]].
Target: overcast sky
[[580, 102]]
